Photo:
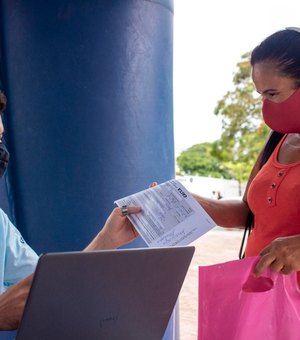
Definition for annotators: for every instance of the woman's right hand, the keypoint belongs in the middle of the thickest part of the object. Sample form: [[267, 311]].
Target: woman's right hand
[[281, 255]]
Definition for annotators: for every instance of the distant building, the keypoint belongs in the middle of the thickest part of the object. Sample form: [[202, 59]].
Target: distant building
[[210, 187]]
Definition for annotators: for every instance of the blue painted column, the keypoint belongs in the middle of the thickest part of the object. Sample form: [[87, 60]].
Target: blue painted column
[[90, 116]]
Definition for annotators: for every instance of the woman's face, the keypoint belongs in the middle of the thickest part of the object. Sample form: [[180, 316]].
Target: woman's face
[[270, 84]]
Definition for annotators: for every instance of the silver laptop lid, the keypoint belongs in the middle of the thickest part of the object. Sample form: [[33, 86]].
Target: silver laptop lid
[[117, 294]]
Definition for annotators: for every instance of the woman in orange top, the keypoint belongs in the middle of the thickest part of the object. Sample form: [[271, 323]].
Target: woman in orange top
[[272, 197]]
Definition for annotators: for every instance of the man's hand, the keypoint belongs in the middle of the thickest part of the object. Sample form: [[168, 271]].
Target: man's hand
[[117, 231], [281, 255], [12, 303]]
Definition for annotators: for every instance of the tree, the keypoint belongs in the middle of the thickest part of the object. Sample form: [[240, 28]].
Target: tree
[[243, 133], [199, 160], [243, 130]]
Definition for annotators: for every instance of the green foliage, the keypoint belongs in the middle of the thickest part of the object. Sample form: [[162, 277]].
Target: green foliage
[[243, 133], [198, 160]]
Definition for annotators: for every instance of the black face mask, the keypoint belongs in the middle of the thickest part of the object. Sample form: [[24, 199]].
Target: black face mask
[[4, 158]]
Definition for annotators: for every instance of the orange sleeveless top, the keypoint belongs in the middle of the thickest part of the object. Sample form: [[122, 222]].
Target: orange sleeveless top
[[274, 198]]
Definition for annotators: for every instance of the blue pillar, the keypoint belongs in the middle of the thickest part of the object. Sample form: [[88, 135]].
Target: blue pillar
[[90, 116]]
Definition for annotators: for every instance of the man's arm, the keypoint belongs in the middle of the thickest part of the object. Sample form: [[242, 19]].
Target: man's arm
[[117, 231], [12, 304]]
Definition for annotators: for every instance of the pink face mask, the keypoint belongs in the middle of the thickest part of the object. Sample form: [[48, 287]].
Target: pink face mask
[[283, 117]]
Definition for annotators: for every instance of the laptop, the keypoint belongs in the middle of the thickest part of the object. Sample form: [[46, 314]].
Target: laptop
[[114, 294]]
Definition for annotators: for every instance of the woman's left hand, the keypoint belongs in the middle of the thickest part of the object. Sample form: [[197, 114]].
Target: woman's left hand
[[281, 255]]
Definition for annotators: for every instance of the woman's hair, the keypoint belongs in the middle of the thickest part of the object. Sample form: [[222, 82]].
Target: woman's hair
[[283, 49], [2, 102]]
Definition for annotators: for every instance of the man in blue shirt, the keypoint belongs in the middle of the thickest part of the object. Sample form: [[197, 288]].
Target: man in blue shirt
[[18, 260]]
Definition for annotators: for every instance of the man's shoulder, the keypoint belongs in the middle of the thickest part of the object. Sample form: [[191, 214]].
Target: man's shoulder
[[5, 223], [3, 217]]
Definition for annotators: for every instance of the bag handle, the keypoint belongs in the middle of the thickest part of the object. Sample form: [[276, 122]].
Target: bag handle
[[268, 280], [257, 284]]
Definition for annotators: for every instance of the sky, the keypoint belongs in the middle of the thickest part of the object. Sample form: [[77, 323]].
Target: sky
[[209, 39]]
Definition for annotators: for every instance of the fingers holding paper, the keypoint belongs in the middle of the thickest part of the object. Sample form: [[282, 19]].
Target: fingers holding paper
[[153, 184], [117, 229]]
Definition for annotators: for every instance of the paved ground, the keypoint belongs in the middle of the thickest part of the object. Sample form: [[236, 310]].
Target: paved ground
[[218, 245]]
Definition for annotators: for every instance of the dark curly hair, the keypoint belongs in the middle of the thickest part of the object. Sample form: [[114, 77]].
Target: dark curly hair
[[3, 102]]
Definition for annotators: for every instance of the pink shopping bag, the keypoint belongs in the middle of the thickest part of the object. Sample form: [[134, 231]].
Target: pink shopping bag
[[235, 305]]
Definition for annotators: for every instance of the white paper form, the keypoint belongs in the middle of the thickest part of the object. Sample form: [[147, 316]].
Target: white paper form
[[170, 216]]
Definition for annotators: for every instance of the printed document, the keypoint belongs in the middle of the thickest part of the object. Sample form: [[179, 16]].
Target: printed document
[[170, 216]]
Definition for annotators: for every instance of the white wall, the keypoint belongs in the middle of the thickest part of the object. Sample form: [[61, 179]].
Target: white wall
[[206, 185]]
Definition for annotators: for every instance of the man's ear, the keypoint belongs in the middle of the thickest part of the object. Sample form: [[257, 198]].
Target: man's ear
[[3, 101]]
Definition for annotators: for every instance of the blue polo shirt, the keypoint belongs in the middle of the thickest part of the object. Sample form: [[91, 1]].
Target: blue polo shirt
[[17, 259]]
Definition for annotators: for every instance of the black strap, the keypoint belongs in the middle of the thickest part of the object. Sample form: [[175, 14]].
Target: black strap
[[247, 231]]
